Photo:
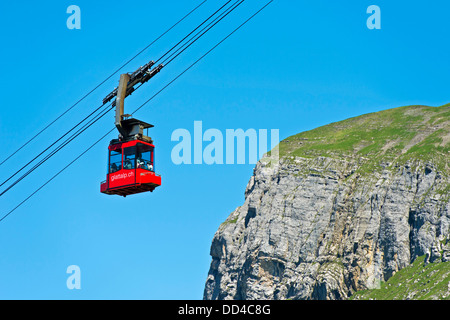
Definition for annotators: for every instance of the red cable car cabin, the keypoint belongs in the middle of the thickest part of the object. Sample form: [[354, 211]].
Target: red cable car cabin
[[131, 168]]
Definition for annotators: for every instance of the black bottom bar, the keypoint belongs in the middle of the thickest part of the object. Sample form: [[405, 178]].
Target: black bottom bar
[[179, 309]]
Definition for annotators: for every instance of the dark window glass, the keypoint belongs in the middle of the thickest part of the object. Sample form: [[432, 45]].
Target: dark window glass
[[144, 157], [129, 158], [115, 161]]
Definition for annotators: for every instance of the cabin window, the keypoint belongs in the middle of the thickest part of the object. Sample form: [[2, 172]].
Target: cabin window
[[129, 158], [115, 160], [144, 157]]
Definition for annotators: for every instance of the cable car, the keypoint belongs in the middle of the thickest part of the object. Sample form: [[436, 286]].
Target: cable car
[[131, 157], [131, 166]]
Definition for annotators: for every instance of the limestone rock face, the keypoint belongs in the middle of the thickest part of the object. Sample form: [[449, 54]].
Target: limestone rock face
[[324, 227]]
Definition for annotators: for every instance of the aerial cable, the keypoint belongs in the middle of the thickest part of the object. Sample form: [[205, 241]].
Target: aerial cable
[[204, 55], [137, 76], [49, 180], [202, 32], [206, 20], [101, 83], [65, 143], [59, 139], [208, 27], [104, 136]]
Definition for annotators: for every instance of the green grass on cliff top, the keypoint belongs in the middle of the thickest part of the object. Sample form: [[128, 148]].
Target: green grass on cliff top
[[419, 281], [400, 134]]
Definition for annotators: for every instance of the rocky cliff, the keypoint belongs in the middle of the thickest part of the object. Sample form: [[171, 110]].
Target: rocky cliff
[[346, 207]]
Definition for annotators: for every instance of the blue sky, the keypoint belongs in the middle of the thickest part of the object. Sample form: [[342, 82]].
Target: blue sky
[[296, 66]]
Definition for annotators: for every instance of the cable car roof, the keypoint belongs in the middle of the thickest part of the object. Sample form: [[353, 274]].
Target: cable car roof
[[132, 122]]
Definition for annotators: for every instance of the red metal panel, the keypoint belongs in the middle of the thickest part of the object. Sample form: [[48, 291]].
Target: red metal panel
[[147, 177], [128, 144], [113, 147], [121, 178]]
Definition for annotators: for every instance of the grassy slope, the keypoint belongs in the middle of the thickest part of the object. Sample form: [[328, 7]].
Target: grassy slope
[[418, 282], [394, 135]]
